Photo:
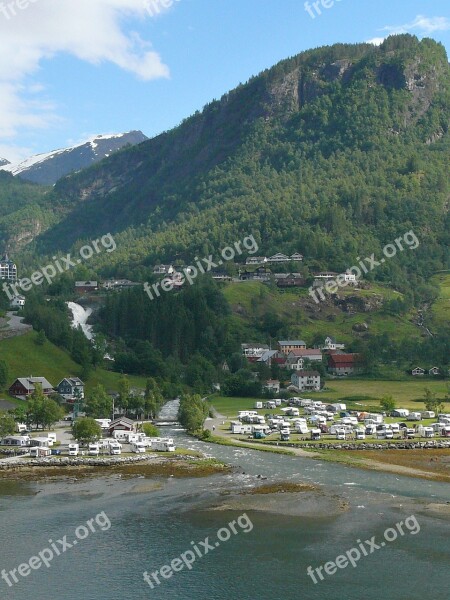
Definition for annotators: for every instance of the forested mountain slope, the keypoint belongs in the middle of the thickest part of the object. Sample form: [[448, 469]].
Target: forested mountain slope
[[333, 153]]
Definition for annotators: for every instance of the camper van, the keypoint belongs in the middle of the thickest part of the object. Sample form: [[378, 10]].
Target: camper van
[[258, 405], [284, 435], [115, 448], [74, 449], [360, 434], [445, 431], [40, 452], [163, 445], [104, 423], [428, 414], [340, 434], [426, 432], [21, 428], [94, 450], [315, 434], [139, 447], [414, 416], [52, 438], [301, 427]]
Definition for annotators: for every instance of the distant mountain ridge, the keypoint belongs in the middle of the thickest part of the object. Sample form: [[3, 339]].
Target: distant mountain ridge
[[47, 168]]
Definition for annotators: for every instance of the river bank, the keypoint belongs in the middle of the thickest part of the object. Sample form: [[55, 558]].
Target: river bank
[[142, 466], [423, 460]]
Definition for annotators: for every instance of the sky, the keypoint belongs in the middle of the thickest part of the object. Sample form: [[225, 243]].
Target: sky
[[70, 69]]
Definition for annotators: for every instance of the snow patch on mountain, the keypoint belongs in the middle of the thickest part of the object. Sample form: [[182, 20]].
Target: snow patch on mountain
[[48, 167]]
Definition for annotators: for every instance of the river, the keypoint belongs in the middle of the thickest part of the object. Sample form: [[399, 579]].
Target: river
[[153, 524]]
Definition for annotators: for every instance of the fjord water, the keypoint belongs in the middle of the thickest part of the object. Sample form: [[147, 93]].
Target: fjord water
[[153, 524]]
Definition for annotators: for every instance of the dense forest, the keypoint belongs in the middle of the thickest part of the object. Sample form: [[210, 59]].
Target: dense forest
[[332, 153]]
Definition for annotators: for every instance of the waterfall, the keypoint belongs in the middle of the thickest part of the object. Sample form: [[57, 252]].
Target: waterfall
[[80, 317]]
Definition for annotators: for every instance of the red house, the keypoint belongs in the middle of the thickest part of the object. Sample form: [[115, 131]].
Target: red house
[[25, 386], [343, 364]]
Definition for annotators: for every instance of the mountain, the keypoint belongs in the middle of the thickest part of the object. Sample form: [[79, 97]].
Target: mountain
[[4, 162], [47, 168], [332, 153]]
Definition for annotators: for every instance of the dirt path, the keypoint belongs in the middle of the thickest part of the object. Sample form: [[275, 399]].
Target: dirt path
[[13, 325]]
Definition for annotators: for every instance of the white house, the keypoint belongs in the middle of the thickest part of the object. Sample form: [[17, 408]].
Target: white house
[[332, 344], [306, 380], [254, 350], [256, 260], [418, 371], [349, 277], [8, 269], [272, 385], [434, 371], [17, 302], [163, 270], [278, 258], [296, 257]]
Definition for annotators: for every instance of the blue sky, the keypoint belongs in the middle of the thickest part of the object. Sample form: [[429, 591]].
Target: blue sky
[[73, 68]]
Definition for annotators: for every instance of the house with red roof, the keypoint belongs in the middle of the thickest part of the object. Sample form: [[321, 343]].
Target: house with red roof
[[343, 364]]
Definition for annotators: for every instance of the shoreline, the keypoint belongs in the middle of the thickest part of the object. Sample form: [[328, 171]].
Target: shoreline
[[169, 466], [375, 459]]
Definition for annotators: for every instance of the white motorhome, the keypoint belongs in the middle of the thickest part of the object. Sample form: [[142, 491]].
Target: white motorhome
[[301, 427], [94, 449], [445, 431], [360, 434], [121, 435], [139, 447], [315, 434], [52, 437], [258, 405], [115, 448], [74, 449], [340, 434], [21, 428], [238, 428], [426, 432], [163, 445]]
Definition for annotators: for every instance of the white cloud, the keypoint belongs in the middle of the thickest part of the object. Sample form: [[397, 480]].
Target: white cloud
[[93, 31], [376, 41], [421, 26]]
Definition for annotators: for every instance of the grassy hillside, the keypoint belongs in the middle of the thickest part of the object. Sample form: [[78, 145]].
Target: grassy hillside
[[24, 357], [440, 311], [301, 317]]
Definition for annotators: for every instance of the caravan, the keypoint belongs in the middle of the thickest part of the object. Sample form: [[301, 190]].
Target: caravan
[[94, 450], [74, 449], [139, 447], [163, 445], [115, 448]]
